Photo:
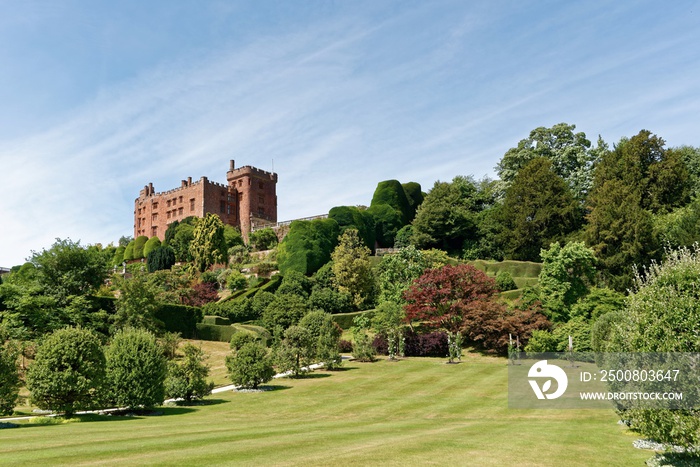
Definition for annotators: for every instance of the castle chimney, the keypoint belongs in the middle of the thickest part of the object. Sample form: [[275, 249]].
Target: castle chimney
[[233, 165], [150, 189], [189, 181]]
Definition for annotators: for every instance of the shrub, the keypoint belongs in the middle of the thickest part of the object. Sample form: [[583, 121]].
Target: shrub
[[139, 244], [295, 352], [250, 366], [263, 239], [150, 245], [215, 332], [68, 371], [284, 311], [9, 378], [201, 294], [187, 380], [239, 339], [308, 245], [330, 300], [505, 282], [162, 257], [344, 346], [236, 281], [136, 369]]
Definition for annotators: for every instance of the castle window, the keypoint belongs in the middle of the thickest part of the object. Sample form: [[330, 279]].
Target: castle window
[[154, 231], [240, 182], [179, 211], [155, 205], [222, 206], [261, 211], [154, 217], [180, 199], [168, 214], [168, 203], [261, 199], [261, 185], [191, 204]]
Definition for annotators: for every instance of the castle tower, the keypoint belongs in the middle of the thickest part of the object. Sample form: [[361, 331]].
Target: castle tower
[[255, 194]]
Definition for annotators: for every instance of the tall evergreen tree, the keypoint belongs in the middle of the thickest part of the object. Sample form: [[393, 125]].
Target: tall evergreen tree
[[538, 210]]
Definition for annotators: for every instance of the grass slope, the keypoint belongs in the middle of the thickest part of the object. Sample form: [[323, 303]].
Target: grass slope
[[413, 412]]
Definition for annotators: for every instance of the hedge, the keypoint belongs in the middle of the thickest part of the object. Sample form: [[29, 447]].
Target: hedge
[[216, 320], [179, 318], [215, 332]]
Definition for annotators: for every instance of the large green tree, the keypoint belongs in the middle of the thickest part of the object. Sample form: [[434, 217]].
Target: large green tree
[[538, 210], [9, 377], [68, 268], [353, 217], [136, 369], [187, 379], [570, 153], [67, 372], [352, 269], [208, 246], [308, 245], [448, 218]]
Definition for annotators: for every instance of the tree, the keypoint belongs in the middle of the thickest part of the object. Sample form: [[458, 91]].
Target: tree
[[233, 237], [391, 193], [307, 246], [538, 210], [570, 153], [250, 366], [462, 300], [9, 377], [136, 305], [136, 369], [263, 239], [284, 311], [138, 246], [324, 334], [208, 246], [162, 257], [397, 271], [662, 313], [388, 320], [566, 276], [358, 218], [151, 244], [352, 270], [67, 268], [295, 283], [295, 352], [188, 379], [448, 217], [179, 237], [67, 372]]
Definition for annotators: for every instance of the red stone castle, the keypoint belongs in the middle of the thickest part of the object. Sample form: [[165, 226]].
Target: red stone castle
[[250, 197]]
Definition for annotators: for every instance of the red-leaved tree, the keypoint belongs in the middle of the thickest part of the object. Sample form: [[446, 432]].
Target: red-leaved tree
[[464, 299]]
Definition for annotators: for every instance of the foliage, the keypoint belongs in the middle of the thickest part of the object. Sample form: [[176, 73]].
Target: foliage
[[307, 246], [295, 352], [151, 244], [541, 341], [352, 270], [129, 251], [414, 195], [235, 280], [233, 237], [260, 301], [680, 227], [239, 339], [396, 272], [263, 239], [136, 305], [200, 294], [570, 153], [118, 257], [449, 216], [325, 334], [538, 209], [139, 245], [387, 223], [136, 369], [443, 297], [391, 193], [665, 298], [330, 300], [284, 311], [388, 320], [9, 377], [603, 328], [250, 366], [208, 246], [295, 283], [68, 371], [691, 159], [162, 257], [67, 268], [178, 318], [597, 303], [179, 236], [404, 237], [169, 342], [353, 217], [187, 380], [635, 180], [504, 281], [566, 275], [362, 349]]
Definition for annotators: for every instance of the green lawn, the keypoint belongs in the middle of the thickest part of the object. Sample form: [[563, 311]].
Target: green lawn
[[414, 412]]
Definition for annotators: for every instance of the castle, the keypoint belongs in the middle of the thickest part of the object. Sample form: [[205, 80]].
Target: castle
[[249, 198]]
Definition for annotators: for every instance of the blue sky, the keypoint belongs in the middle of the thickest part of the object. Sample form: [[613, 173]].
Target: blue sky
[[100, 98]]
